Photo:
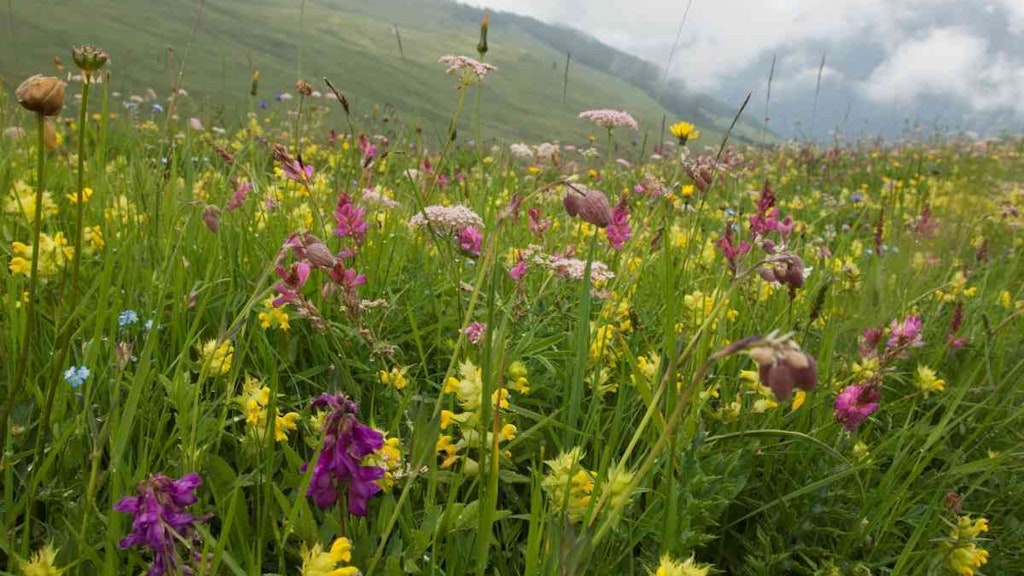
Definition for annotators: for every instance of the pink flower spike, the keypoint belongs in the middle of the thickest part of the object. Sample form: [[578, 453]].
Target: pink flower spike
[[855, 403], [351, 219], [475, 332], [618, 231], [470, 240], [519, 270]]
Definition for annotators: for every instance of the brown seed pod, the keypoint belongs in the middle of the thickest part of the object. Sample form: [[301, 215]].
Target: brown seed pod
[[41, 94]]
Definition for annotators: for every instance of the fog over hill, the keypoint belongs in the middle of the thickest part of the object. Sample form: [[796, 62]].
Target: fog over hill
[[890, 65]]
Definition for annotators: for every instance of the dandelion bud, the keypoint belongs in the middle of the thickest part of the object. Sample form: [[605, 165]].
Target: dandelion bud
[[481, 46], [255, 82], [304, 88], [41, 94], [592, 206], [89, 58]]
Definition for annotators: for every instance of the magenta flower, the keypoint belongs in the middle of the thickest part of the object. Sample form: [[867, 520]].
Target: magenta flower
[[730, 248], [347, 441], [618, 230], [470, 240], [351, 220], [519, 270], [855, 403], [294, 169], [160, 523], [475, 332], [869, 340], [367, 148], [905, 334], [293, 279]]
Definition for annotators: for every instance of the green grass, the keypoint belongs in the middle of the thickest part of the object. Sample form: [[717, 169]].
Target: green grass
[[677, 454], [353, 43]]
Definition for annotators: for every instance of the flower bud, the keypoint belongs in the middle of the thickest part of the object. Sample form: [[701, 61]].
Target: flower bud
[[304, 88], [592, 207], [481, 46], [89, 58], [319, 255], [255, 82], [41, 94], [211, 217]]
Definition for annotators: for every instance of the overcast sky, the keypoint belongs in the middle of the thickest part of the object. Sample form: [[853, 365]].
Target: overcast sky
[[958, 63]]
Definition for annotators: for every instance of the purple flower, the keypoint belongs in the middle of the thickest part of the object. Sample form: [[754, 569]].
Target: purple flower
[[351, 219], [618, 230], [347, 441], [160, 522], [855, 403], [869, 340], [537, 225], [475, 332], [293, 168], [470, 240], [905, 334]]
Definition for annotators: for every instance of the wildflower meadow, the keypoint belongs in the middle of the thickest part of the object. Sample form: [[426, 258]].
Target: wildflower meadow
[[314, 342]]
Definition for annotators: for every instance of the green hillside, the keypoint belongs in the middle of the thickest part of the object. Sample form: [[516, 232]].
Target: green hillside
[[354, 43]]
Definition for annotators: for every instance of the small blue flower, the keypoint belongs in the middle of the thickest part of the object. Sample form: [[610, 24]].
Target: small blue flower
[[856, 197], [76, 375], [130, 105], [127, 318], [148, 325], [263, 105], [158, 108]]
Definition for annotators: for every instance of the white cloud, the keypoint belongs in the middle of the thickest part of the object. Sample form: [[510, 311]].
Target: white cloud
[[948, 62]]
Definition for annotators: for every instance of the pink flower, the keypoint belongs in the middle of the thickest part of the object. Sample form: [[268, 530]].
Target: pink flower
[[475, 332], [242, 189], [537, 225], [368, 149], [470, 240], [618, 230], [855, 403], [905, 334], [730, 249], [610, 118], [350, 219], [519, 270]]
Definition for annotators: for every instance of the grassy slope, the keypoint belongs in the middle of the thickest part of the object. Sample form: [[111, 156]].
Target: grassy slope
[[350, 41]]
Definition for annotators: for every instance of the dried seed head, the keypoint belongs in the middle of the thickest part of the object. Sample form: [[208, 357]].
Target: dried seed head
[[304, 88], [41, 94], [89, 58], [783, 366]]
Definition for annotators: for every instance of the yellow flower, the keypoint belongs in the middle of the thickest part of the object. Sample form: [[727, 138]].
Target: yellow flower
[[860, 450], [1005, 299], [798, 400], [54, 254], [670, 567], [42, 563], [318, 562], [445, 447], [686, 191], [684, 131], [568, 485], [23, 201], [215, 357], [762, 405], [395, 378], [86, 195], [508, 432], [926, 380], [272, 317], [92, 237], [499, 398], [285, 424]]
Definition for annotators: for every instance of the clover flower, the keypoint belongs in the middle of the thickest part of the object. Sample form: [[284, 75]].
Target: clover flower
[[339, 468], [162, 525], [470, 240]]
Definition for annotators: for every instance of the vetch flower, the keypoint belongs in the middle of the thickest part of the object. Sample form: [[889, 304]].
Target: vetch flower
[[162, 525], [905, 334], [618, 230], [339, 469], [855, 403], [351, 220], [475, 332]]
